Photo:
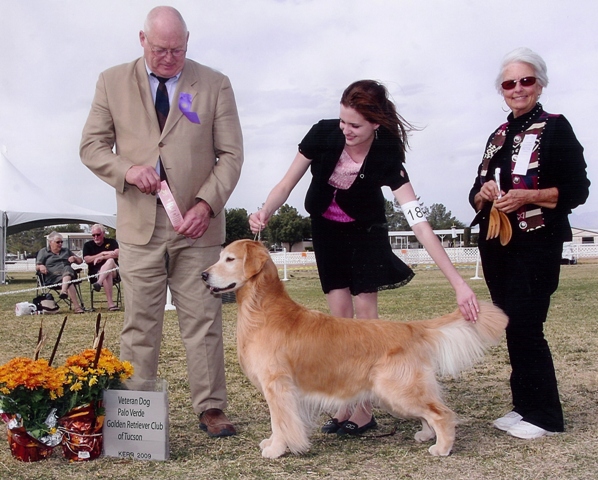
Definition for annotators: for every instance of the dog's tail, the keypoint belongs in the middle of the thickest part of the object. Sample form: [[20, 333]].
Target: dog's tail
[[459, 343]]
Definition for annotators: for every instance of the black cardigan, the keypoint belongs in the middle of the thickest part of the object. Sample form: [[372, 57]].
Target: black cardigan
[[562, 165], [363, 201]]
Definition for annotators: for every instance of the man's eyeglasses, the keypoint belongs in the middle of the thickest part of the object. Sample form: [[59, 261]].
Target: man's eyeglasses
[[162, 52], [96, 234], [58, 241], [525, 82]]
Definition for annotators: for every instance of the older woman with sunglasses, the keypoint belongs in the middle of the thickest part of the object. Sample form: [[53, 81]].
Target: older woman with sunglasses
[[532, 174]]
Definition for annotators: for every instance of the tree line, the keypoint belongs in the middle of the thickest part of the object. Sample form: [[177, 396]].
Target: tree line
[[288, 226]]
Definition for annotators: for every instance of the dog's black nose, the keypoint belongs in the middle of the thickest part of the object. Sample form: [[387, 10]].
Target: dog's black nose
[[204, 276]]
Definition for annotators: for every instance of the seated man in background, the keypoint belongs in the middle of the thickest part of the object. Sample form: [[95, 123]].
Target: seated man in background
[[101, 256], [54, 262]]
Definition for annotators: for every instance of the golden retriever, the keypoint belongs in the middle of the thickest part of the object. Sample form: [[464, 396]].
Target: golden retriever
[[304, 361]]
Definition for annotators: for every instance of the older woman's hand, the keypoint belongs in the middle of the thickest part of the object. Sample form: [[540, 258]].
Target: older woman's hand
[[512, 200], [544, 197], [490, 191], [487, 194]]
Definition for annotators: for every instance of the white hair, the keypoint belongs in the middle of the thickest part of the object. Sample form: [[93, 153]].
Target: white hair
[[54, 235], [523, 55]]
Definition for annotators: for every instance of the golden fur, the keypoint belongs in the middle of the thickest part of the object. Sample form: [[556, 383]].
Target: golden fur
[[304, 361]]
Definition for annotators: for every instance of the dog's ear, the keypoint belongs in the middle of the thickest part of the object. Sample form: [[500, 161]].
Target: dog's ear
[[254, 258]]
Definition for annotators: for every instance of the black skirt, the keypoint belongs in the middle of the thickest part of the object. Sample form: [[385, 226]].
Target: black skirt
[[355, 256]]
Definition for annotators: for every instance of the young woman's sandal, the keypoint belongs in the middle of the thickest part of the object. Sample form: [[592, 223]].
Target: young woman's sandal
[[114, 308], [78, 310]]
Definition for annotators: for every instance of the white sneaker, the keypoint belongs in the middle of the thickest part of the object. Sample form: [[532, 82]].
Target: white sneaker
[[509, 420], [527, 431]]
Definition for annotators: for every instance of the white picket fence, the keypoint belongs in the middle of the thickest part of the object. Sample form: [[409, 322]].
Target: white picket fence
[[411, 256], [419, 256]]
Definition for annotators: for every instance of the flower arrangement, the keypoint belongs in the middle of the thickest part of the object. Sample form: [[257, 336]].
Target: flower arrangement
[[87, 375], [44, 406], [29, 390]]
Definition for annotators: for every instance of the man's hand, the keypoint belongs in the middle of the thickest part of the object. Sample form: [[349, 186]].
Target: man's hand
[[196, 220], [144, 177]]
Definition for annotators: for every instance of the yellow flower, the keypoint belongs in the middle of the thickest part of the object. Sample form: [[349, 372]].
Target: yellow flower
[[75, 387], [77, 370]]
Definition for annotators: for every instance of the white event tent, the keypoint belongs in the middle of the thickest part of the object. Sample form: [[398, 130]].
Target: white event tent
[[24, 205]]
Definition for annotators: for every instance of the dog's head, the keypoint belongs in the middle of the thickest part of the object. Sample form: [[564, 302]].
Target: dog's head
[[238, 262]]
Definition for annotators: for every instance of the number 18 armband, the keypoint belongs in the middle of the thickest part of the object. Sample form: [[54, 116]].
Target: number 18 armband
[[414, 213]]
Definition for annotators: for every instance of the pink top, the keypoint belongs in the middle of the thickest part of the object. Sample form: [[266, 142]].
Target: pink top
[[342, 177]]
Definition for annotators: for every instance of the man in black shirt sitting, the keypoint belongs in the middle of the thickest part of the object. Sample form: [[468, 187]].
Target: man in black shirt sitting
[[101, 256]]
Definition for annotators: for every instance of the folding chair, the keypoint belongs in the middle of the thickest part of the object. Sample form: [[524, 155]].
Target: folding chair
[[92, 292], [42, 288]]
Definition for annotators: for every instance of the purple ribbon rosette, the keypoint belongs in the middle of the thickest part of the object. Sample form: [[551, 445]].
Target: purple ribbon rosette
[[185, 100]]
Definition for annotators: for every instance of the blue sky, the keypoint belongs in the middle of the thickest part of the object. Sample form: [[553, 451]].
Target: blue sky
[[289, 62]]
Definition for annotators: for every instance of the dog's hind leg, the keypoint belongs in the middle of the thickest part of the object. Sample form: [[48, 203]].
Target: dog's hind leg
[[420, 399], [288, 428], [437, 420], [442, 420]]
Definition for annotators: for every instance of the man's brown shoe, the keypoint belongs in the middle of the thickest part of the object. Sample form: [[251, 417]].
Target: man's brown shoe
[[214, 422]]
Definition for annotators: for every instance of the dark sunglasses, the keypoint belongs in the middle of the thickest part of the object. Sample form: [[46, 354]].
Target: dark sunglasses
[[96, 234], [525, 82], [58, 241]]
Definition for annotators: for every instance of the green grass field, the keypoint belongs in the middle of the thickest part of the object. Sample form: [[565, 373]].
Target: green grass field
[[479, 396]]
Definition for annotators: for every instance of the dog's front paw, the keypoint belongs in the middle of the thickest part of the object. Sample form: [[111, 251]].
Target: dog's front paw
[[272, 451], [439, 452], [265, 443]]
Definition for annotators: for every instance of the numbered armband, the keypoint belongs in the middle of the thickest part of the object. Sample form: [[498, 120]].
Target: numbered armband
[[414, 213]]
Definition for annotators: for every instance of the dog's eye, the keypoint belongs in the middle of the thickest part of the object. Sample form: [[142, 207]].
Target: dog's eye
[[229, 259]]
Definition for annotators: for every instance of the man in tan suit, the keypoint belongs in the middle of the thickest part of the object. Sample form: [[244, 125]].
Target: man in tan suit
[[200, 148]]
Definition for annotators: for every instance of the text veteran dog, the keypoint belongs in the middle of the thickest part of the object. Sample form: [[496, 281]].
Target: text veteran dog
[[304, 361]]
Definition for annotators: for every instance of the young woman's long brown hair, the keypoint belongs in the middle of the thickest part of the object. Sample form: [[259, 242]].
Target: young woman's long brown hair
[[371, 100]]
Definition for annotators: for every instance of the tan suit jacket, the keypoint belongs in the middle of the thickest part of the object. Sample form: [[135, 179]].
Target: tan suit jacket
[[202, 161]]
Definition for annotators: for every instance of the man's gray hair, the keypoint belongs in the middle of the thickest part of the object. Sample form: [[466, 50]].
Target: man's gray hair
[[54, 235]]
